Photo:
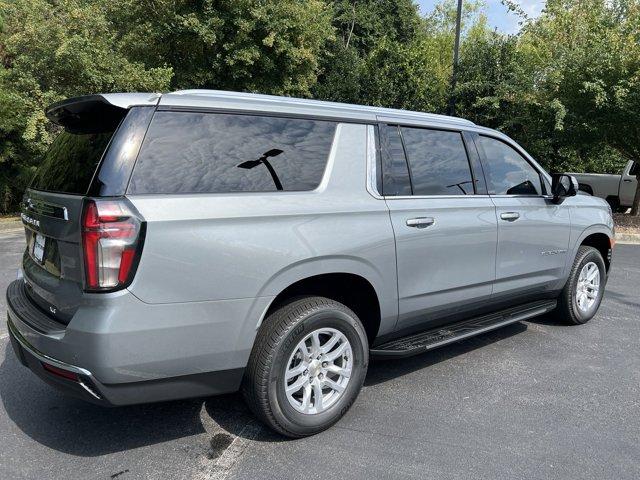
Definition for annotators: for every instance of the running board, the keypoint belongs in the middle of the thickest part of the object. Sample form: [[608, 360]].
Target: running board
[[430, 339]]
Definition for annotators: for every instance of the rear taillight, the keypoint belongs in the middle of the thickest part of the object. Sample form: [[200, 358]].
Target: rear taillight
[[111, 243]]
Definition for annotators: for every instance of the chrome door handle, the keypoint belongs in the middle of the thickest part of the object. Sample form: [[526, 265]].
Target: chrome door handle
[[420, 222], [627, 180], [510, 216]]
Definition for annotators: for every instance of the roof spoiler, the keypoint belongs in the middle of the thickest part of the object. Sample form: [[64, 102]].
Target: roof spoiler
[[96, 113]]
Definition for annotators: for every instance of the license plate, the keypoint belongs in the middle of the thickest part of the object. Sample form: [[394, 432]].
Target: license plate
[[38, 247]]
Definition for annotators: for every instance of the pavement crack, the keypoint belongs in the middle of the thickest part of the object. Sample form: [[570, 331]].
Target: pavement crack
[[122, 472]]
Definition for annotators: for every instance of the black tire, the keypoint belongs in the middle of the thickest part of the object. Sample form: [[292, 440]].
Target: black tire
[[568, 310], [614, 203], [263, 384], [585, 188]]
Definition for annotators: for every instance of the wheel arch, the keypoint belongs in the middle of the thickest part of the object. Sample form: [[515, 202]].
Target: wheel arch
[[354, 283], [598, 237], [585, 187], [601, 242]]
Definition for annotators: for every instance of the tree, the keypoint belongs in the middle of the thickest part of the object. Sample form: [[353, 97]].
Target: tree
[[267, 46], [589, 65], [361, 26], [567, 86], [49, 51], [54, 49]]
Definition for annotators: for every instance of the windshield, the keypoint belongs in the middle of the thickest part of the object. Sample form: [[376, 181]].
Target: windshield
[[70, 162]]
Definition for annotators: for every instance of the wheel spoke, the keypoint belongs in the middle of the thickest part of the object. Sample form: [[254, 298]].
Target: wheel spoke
[[306, 398], [329, 344], [592, 274], [294, 372], [317, 396], [295, 386], [302, 347], [331, 356], [315, 343], [339, 370], [333, 385]]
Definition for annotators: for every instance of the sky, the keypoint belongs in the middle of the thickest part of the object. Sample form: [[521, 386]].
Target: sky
[[497, 14]]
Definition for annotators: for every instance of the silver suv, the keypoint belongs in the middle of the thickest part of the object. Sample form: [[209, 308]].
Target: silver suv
[[201, 242]]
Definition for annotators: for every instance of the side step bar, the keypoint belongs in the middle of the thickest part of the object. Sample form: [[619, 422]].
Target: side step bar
[[430, 339]]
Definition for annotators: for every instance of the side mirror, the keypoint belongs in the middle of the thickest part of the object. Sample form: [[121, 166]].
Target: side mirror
[[563, 186]]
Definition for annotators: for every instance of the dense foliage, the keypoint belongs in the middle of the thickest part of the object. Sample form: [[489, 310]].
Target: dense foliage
[[567, 87]]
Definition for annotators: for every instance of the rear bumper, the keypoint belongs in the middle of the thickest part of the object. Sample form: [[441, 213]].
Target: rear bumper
[[125, 351], [87, 388], [34, 360]]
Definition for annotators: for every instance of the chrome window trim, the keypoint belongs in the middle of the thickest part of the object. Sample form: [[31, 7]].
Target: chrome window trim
[[547, 197], [324, 179], [433, 197], [372, 171], [372, 164]]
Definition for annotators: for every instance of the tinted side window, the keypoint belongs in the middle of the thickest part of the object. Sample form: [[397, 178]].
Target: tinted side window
[[438, 162], [508, 172], [222, 153], [70, 162], [395, 174], [119, 159]]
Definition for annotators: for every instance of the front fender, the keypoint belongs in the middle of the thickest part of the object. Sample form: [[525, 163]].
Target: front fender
[[580, 238]]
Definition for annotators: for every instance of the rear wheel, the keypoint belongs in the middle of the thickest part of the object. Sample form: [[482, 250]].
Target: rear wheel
[[307, 366], [582, 294]]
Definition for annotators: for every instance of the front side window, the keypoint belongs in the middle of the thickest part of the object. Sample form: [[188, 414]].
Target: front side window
[[185, 152], [438, 162], [508, 172]]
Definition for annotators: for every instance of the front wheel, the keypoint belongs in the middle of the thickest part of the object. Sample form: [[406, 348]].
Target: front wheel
[[307, 366], [582, 294]]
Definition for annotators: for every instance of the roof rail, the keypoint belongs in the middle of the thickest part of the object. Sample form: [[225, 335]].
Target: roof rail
[[344, 108]]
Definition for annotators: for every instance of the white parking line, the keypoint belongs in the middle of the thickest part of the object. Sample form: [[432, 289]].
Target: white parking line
[[220, 467]]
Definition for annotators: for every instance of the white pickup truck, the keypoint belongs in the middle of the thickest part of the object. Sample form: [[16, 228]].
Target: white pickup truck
[[618, 190]]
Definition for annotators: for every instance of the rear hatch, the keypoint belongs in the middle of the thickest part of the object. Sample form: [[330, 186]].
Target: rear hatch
[[98, 140]]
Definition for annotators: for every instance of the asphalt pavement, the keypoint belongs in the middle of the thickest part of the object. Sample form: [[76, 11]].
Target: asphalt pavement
[[535, 400]]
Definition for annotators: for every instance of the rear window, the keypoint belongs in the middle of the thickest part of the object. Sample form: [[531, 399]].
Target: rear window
[[186, 152], [70, 162], [395, 177], [438, 162]]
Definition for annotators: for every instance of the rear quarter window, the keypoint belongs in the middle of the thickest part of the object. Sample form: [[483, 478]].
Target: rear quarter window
[[188, 152]]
